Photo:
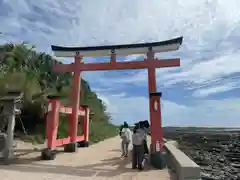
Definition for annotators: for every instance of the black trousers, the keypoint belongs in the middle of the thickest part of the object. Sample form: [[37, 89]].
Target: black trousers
[[137, 156], [146, 151]]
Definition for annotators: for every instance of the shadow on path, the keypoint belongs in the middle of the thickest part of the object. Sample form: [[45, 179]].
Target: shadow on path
[[110, 167], [115, 150], [115, 166]]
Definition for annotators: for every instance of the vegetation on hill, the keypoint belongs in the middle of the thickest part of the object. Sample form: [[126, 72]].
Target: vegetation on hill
[[25, 70]]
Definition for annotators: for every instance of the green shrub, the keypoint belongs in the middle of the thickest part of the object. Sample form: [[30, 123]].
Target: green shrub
[[25, 70]]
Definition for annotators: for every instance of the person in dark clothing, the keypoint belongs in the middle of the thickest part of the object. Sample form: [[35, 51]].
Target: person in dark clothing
[[120, 130], [138, 148], [145, 126], [145, 145]]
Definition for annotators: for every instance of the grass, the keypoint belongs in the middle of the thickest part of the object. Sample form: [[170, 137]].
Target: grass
[[98, 131]]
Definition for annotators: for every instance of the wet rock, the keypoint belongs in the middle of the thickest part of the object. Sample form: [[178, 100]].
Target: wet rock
[[218, 153]]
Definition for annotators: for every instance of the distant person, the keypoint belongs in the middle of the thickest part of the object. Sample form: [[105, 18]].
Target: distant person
[[126, 136], [138, 147]]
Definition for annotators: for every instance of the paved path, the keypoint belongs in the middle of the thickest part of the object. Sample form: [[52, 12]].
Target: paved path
[[99, 161]]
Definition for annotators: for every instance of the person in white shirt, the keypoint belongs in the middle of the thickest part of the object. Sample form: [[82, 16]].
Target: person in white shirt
[[138, 137], [126, 136]]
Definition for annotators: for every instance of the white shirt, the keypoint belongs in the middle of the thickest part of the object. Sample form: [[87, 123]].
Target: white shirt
[[128, 132]]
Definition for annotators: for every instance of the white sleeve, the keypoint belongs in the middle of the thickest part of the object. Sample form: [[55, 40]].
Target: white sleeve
[[130, 134]]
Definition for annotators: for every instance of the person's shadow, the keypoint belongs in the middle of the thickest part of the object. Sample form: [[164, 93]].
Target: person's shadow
[[119, 166], [109, 167], [113, 166]]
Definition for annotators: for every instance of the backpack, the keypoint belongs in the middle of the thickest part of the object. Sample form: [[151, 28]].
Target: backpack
[[138, 137]]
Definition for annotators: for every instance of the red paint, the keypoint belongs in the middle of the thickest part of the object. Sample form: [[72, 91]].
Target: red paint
[[152, 87], [60, 142], [54, 109], [160, 124], [52, 123], [68, 110], [80, 138], [85, 127], [78, 66], [116, 65], [156, 123], [75, 95]]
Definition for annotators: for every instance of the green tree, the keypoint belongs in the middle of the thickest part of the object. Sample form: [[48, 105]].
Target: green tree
[[24, 69]]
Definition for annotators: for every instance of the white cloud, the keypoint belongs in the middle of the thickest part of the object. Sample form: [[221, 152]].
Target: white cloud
[[198, 113], [210, 74], [134, 57], [209, 55], [216, 89], [126, 109], [208, 70], [100, 90]]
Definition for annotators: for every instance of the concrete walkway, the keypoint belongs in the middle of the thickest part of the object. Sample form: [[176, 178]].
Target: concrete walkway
[[99, 161]]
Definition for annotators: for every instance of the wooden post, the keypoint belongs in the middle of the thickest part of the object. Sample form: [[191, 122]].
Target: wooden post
[[86, 125], [76, 84], [52, 123], [157, 132], [152, 88]]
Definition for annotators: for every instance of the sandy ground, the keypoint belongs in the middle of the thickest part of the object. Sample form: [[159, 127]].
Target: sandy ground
[[98, 162]]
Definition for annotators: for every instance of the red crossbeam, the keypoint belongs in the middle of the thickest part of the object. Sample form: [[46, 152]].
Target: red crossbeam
[[116, 66], [68, 110], [63, 141]]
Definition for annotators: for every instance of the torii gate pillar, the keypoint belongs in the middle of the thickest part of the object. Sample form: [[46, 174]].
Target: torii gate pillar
[[75, 101], [154, 108], [157, 142]]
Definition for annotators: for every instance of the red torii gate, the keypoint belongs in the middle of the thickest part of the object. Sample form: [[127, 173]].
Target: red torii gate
[[149, 63], [54, 109]]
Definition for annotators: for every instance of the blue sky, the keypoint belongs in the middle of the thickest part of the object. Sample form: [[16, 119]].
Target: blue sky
[[204, 91]]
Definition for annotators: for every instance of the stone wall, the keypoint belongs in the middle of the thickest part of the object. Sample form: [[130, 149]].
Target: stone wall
[[218, 153], [180, 163]]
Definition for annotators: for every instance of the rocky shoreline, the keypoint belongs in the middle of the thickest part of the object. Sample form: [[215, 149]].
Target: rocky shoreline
[[218, 153]]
